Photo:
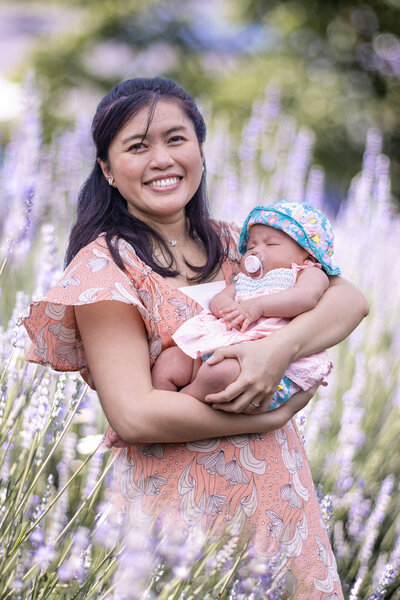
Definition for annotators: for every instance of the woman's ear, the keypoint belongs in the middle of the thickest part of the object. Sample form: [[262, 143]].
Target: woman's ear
[[104, 166], [202, 153]]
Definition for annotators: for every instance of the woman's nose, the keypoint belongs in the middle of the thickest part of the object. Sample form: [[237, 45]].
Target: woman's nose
[[161, 158]]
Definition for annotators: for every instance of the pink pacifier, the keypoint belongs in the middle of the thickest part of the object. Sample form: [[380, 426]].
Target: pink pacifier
[[253, 264]]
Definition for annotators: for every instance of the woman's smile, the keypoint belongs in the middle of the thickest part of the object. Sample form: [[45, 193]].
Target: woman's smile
[[157, 166], [164, 184]]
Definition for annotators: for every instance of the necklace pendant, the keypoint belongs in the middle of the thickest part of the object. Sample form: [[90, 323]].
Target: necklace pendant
[[173, 242]]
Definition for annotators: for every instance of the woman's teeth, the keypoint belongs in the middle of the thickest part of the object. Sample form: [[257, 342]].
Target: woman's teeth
[[164, 182]]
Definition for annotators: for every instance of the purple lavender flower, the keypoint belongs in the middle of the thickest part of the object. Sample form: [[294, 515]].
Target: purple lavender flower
[[386, 579], [74, 566], [44, 556], [373, 523]]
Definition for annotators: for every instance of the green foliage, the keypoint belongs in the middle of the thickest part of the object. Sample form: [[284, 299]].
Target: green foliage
[[331, 61]]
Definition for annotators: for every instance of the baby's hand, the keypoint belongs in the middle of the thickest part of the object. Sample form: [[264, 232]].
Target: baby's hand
[[242, 315], [229, 306]]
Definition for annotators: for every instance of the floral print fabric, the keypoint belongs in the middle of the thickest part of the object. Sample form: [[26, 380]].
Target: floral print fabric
[[253, 485], [304, 223]]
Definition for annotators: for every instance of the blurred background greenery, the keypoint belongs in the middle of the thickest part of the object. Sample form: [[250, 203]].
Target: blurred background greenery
[[336, 63]]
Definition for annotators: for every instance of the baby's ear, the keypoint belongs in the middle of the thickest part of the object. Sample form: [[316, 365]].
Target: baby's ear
[[311, 258]]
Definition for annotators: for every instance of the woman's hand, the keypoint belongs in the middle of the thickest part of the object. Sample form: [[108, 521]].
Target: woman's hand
[[262, 364], [295, 403]]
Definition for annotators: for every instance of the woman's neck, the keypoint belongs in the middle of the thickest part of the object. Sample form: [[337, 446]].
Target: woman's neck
[[169, 227]]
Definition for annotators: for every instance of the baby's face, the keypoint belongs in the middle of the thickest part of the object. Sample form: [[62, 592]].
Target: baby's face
[[275, 249]]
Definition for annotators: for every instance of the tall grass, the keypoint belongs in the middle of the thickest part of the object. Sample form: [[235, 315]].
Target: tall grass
[[59, 538]]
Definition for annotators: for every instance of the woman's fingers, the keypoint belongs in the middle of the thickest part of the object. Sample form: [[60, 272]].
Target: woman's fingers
[[257, 408], [228, 395], [223, 352], [237, 396], [245, 404], [262, 364], [240, 405], [260, 405], [248, 389]]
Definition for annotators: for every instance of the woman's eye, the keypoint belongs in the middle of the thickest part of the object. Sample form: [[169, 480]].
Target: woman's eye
[[137, 147], [176, 139]]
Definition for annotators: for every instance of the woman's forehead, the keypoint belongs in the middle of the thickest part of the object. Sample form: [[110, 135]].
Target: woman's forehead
[[165, 115]]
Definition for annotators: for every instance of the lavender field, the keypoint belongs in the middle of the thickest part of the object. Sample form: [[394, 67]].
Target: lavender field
[[59, 537]]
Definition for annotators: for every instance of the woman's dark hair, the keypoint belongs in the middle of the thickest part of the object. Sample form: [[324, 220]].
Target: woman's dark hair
[[102, 209]]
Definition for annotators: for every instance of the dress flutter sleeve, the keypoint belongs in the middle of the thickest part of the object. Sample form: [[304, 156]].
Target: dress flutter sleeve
[[92, 276]]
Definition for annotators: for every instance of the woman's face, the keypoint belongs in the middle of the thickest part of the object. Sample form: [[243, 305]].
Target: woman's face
[[275, 248], [157, 175]]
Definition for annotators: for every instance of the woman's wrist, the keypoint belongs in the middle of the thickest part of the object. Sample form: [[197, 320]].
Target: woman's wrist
[[286, 342], [274, 419]]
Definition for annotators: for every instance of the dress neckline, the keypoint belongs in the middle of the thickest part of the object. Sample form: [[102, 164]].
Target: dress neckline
[[197, 285], [185, 297]]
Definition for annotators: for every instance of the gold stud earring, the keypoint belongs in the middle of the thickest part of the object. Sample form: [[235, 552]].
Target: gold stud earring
[[111, 181]]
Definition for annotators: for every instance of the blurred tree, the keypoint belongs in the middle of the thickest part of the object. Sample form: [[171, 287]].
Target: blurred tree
[[337, 64], [357, 43]]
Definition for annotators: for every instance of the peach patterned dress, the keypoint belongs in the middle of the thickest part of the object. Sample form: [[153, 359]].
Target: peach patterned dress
[[257, 485]]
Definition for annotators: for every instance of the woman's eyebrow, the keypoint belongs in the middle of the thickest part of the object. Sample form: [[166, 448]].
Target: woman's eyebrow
[[135, 136], [174, 129], [142, 136]]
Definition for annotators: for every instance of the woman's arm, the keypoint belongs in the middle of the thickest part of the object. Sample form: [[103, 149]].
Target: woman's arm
[[117, 353], [263, 362], [339, 311]]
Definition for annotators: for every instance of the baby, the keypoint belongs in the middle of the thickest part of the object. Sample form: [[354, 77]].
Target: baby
[[287, 252]]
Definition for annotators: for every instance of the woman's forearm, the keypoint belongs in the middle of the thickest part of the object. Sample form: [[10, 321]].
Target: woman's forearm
[[116, 348], [337, 314], [177, 417]]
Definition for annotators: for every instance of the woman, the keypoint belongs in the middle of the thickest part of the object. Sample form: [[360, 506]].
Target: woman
[[142, 232]]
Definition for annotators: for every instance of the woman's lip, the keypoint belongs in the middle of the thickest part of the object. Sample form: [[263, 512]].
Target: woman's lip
[[166, 187], [163, 178]]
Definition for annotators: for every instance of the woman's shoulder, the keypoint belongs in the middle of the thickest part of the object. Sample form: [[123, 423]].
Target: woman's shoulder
[[100, 248], [229, 233], [92, 276], [229, 227], [97, 256]]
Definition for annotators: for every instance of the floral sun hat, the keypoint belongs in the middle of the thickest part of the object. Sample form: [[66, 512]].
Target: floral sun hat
[[305, 224]]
